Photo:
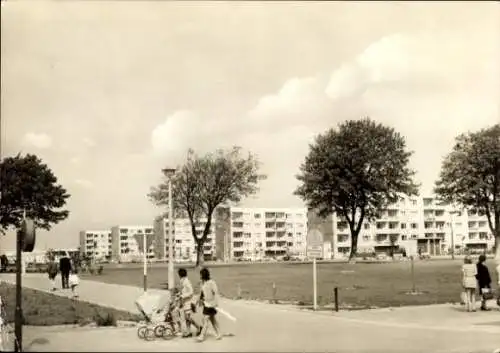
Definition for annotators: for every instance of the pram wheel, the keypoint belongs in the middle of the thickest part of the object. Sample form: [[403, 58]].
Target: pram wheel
[[168, 333], [150, 334], [158, 330], [141, 332]]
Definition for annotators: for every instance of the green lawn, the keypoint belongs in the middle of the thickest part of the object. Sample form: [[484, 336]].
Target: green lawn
[[44, 309], [361, 285]]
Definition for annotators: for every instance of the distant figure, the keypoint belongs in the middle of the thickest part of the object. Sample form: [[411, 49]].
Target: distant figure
[[73, 282], [483, 281], [52, 271], [4, 262], [65, 267], [469, 283]]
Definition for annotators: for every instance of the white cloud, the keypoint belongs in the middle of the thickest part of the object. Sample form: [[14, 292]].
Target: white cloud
[[182, 130], [428, 86], [37, 140], [86, 184]]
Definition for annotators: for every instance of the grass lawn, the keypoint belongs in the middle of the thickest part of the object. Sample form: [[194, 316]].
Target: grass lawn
[[44, 309], [361, 285]]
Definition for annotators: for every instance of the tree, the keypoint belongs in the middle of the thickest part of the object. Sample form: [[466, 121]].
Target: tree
[[470, 176], [355, 171], [206, 182], [29, 185]]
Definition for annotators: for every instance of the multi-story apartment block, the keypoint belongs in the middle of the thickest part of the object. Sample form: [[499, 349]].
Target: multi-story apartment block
[[417, 224], [96, 243], [253, 234], [127, 242], [184, 244]]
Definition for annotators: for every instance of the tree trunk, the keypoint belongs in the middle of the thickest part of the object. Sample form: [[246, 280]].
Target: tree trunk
[[354, 245], [199, 253]]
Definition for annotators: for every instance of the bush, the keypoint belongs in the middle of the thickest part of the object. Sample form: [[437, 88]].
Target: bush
[[105, 319]]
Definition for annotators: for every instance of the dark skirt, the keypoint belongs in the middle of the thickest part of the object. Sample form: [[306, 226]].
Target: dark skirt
[[209, 311]]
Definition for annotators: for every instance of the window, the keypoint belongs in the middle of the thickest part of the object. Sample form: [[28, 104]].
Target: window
[[237, 224], [414, 226], [366, 225], [123, 230], [257, 216], [404, 237], [403, 225]]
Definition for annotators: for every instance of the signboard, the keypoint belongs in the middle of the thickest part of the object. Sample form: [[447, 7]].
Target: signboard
[[314, 244]]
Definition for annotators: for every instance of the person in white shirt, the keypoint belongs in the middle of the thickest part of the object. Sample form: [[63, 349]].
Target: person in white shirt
[[210, 298], [186, 304]]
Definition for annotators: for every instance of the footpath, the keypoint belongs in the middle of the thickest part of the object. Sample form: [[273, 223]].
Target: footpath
[[265, 327]]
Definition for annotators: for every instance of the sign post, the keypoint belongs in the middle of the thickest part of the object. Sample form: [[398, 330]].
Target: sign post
[[314, 251]]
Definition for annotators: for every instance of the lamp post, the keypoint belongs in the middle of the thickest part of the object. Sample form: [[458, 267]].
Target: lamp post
[[169, 173]]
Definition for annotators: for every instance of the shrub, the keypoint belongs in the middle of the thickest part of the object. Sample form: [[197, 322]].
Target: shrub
[[105, 319]]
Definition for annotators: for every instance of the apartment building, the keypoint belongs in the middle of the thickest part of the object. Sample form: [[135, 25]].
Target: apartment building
[[126, 242], [417, 224], [96, 243], [184, 244], [252, 234]]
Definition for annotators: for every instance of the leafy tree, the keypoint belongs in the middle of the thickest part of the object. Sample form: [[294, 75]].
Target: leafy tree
[[205, 182], [29, 185], [470, 176], [356, 171]]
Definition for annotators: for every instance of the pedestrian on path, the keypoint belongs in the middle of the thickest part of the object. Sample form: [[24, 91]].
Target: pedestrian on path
[[483, 281], [52, 271], [73, 282], [187, 306], [65, 267], [469, 283], [209, 298]]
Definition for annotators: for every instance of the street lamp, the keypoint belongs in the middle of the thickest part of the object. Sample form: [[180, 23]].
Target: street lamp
[[452, 235], [169, 173]]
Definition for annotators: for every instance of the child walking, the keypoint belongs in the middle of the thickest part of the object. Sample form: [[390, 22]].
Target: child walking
[[469, 282], [73, 282]]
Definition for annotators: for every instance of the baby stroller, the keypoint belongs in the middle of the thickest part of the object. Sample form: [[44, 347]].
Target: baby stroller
[[160, 315]]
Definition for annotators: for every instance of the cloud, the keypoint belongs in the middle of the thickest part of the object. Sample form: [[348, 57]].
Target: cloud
[[430, 86], [86, 184], [37, 140]]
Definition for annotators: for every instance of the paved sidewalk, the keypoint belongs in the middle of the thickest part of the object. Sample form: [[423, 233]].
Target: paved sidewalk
[[265, 327]]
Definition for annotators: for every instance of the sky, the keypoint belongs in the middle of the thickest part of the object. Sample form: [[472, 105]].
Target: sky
[[109, 93]]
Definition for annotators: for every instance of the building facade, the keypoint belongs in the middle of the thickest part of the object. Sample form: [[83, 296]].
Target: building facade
[[184, 245], [127, 242], [96, 243], [253, 234], [419, 225]]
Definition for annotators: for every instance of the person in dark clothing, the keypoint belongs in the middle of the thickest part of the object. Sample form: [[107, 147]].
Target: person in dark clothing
[[4, 262], [65, 268], [483, 280]]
